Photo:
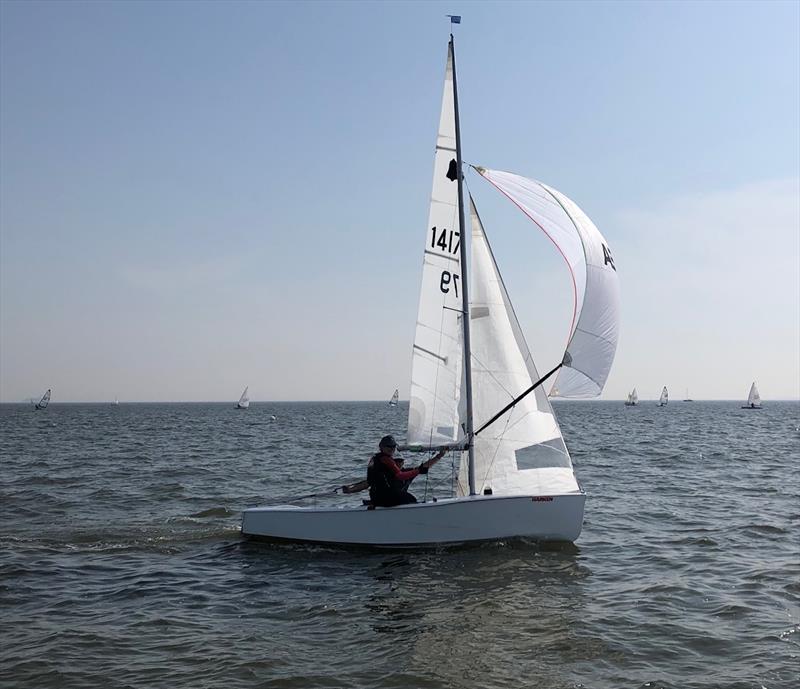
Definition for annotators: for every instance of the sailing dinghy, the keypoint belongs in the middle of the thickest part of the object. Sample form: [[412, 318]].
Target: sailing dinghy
[[395, 398], [244, 400], [753, 398], [633, 398], [664, 399], [42, 403], [475, 390]]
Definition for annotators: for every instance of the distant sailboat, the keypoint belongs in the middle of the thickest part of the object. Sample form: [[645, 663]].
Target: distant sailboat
[[662, 401], [633, 399], [687, 398], [244, 400], [395, 397], [115, 403], [753, 399], [42, 403]]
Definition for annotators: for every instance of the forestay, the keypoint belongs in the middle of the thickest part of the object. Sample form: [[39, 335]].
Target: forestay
[[523, 451], [436, 368], [595, 323]]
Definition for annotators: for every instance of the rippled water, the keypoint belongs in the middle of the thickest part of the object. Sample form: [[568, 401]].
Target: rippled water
[[121, 563]]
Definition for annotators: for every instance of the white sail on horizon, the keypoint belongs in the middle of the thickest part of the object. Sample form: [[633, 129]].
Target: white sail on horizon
[[244, 400], [753, 397], [664, 399], [44, 401]]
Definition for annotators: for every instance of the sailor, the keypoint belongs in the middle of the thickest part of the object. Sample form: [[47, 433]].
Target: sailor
[[388, 482]]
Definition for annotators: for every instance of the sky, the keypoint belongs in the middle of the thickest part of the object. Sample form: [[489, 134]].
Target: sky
[[199, 196]]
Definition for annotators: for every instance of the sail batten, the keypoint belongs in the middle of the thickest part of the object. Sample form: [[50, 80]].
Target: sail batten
[[594, 329]]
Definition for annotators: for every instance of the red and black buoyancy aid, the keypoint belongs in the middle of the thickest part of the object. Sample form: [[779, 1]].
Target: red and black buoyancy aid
[[386, 480]]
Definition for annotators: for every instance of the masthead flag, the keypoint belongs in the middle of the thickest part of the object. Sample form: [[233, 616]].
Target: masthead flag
[[454, 18]]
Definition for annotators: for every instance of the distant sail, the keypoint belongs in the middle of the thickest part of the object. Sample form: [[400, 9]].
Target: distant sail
[[244, 400], [753, 398], [42, 403], [633, 398], [395, 398], [664, 399]]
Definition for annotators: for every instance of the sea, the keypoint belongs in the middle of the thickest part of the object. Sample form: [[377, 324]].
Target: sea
[[122, 563]]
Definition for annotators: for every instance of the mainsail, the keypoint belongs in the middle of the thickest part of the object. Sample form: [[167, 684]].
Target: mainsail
[[595, 323], [436, 367], [662, 401], [395, 398], [753, 398], [244, 400], [42, 403], [522, 452]]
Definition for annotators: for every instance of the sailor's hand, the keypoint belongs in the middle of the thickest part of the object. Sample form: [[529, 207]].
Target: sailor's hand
[[423, 468], [435, 458], [355, 487]]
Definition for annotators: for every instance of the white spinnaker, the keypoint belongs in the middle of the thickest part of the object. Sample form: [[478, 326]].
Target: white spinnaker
[[664, 396], [595, 325], [244, 400], [436, 368], [754, 398], [522, 452]]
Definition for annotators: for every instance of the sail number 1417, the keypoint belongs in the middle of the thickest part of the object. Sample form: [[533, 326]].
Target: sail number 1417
[[446, 240]]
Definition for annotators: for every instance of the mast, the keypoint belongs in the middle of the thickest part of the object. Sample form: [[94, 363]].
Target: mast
[[464, 284]]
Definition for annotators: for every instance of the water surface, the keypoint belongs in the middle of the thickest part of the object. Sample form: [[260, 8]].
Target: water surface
[[121, 562]]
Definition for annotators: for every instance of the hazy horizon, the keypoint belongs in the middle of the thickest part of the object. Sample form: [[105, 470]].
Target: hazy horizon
[[195, 197], [232, 401]]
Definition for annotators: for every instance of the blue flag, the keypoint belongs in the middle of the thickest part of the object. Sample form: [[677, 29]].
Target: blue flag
[[454, 18]]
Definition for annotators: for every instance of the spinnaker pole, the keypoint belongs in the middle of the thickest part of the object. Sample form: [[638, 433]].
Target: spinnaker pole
[[464, 284]]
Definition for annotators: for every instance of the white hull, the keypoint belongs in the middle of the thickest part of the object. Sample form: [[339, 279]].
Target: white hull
[[454, 520]]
